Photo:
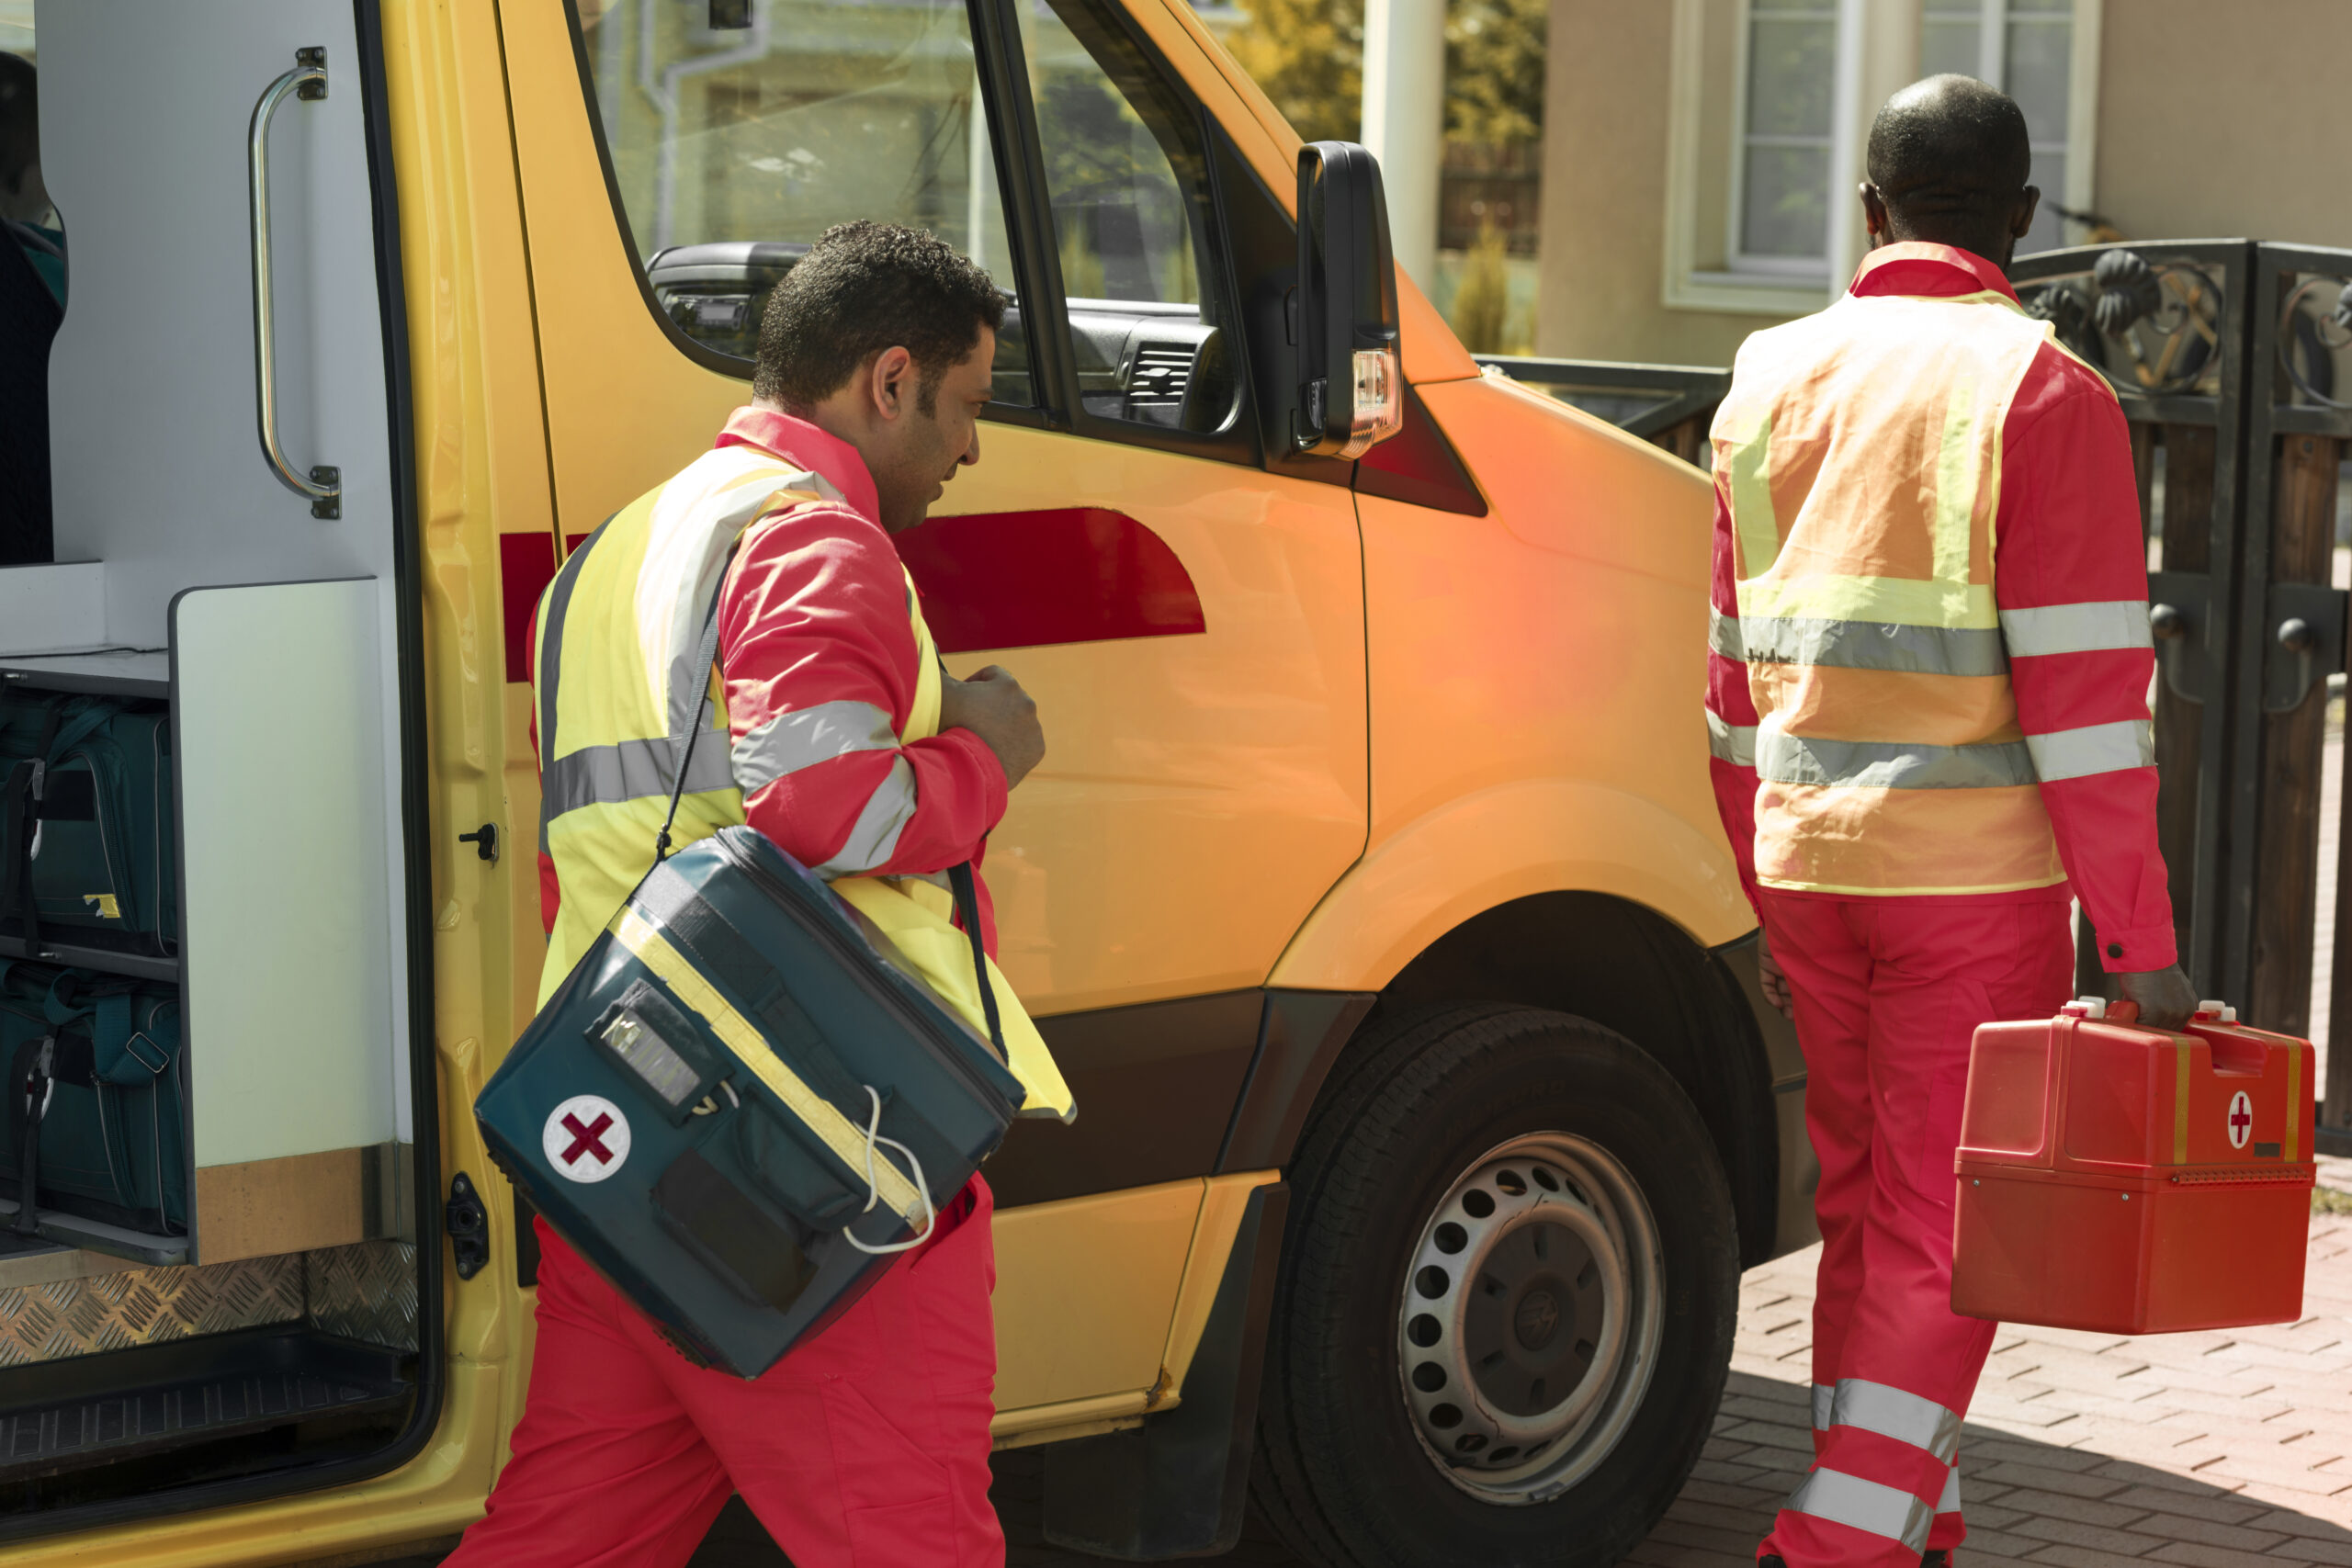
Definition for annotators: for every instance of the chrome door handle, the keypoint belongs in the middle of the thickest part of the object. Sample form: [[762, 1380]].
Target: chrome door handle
[[323, 485]]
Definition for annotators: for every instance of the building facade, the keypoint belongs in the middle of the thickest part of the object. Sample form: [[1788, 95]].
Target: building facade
[[1700, 156]]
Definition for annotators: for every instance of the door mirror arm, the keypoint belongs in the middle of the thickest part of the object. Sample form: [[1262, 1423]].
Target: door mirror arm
[[1350, 392]]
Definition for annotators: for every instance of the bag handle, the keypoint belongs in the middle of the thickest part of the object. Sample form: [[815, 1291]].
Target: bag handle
[[682, 751]]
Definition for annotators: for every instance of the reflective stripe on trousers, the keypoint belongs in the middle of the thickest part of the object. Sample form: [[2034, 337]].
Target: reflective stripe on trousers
[[1862, 1504], [1928, 1413]]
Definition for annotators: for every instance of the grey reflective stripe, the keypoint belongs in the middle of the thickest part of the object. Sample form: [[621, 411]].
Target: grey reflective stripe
[[1735, 744], [1782, 758], [2093, 626], [1845, 1499], [1822, 1397], [1723, 635], [874, 838], [559, 602], [2094, 748], [1873, 645], [1949, 1502], [805, 737], [629, 770], [1891, 1412]]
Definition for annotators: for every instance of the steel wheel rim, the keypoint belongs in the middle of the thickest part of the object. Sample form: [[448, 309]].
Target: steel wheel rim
[[1529, 1317]]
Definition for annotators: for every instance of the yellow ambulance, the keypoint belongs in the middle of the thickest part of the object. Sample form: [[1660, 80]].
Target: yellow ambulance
[[1372, 896]]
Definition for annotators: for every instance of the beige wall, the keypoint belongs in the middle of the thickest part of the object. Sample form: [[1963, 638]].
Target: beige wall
[[1603, 240], [2215, 118], [2225, 118]]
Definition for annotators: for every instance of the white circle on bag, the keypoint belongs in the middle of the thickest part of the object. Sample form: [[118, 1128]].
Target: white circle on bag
[[586, 1138]]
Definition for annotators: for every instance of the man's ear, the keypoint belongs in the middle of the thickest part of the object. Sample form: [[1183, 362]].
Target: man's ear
[[1873, 212], [892, 382], [2022, 218]]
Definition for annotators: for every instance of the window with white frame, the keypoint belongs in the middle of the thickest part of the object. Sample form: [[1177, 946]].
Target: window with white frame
[[1770, 102], [2026, 48], [1780, 181]]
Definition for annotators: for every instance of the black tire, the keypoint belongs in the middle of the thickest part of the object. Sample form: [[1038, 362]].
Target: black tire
[[1347, 1471]]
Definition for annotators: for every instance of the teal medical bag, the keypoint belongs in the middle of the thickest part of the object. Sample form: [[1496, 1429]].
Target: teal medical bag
[[88, 827], [736, 1108], [96, 1114]]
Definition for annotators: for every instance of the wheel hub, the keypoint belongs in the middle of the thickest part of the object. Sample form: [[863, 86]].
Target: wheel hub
[[1529, 1318]]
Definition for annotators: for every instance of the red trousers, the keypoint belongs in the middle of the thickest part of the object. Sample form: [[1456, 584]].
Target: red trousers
[[865, 1446], [1889, 992]]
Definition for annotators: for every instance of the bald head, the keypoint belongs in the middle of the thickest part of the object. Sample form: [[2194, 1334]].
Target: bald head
[[1948, 162]]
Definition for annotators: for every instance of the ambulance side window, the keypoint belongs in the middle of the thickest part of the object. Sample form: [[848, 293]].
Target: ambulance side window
[[737, 134], [1127, 180]]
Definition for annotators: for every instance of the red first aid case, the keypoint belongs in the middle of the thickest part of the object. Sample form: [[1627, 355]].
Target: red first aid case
[[2133, 1180]]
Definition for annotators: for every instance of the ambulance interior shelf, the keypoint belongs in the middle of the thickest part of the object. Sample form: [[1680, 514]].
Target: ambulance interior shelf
[[257, 942]]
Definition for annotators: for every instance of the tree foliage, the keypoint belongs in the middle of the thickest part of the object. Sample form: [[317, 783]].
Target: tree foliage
[[1309, 56]]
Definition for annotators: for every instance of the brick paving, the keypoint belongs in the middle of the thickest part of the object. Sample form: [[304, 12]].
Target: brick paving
[[2082, 1450], [2185, 1450]]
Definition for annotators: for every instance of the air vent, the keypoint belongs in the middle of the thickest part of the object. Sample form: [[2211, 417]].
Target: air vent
[[1160, 372]]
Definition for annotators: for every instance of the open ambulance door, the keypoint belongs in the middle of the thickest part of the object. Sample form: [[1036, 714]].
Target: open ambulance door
[[217, 1227]]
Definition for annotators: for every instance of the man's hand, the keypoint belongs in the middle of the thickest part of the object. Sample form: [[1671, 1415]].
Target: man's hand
[[992, 705], [1773, 978], [2164, 997]]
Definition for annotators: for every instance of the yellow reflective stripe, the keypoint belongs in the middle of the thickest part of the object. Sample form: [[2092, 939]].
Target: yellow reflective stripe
[[637, 934], [1898, 601], [1750, 460], [1959, 467]]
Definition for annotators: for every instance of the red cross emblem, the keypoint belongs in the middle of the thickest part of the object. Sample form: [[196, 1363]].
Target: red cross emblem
[[586, 1138], [2241, 1118]]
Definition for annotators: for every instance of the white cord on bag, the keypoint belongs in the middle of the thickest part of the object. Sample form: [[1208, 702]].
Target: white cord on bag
[[874, 1190]]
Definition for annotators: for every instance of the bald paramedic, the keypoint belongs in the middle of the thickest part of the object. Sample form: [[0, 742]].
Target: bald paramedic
[[867, 1445], [1927, 699]]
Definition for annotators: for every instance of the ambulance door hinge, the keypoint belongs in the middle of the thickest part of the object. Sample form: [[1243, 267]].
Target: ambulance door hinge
[[468, 1224]]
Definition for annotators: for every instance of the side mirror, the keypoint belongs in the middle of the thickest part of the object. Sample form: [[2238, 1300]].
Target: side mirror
[[1352, 390]]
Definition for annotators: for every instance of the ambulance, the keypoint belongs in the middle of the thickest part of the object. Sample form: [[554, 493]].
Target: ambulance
[[1371, 895]]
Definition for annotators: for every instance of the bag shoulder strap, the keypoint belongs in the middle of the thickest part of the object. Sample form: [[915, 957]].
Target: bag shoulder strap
[[682, 742], [967, 905]]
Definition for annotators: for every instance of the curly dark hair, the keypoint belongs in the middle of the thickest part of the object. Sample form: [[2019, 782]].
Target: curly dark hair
[[861, 288]]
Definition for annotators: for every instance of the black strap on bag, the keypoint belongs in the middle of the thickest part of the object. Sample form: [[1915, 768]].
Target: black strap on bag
[[682, 751]]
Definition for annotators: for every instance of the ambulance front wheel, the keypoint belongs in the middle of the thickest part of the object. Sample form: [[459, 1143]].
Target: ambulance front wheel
[[1505, 1313]]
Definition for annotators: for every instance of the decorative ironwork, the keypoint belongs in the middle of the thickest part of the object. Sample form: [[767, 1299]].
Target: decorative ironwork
[[2150, 327], [2312, 334]]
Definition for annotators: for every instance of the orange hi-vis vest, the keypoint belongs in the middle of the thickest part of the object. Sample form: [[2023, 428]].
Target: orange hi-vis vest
[[1859, 457]]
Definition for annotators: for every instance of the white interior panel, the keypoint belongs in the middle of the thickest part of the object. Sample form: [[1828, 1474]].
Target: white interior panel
[[157, 461], [44, 608], [289, 938]]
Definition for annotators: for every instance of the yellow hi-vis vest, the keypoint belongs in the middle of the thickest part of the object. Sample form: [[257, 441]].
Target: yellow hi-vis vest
[[619, 630], [1860, 453]]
